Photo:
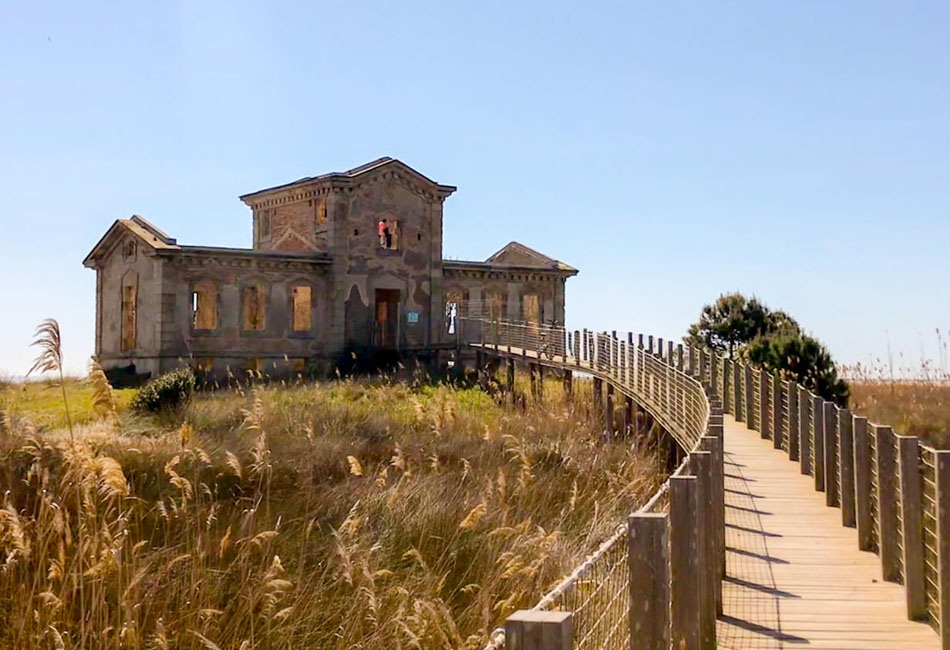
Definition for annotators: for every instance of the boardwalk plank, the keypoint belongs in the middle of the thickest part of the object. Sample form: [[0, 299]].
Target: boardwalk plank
[[795, 575]]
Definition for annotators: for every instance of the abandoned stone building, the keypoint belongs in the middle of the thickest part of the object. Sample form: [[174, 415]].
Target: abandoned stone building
[[342, 264]]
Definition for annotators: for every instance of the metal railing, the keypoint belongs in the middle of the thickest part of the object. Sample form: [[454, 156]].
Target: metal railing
[[670, 383]]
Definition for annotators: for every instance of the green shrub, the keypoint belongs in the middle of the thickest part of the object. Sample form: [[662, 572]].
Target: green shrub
[[166, 392]]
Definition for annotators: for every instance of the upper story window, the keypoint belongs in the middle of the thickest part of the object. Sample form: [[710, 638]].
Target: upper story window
[[253, 306], [388, 232], [263, 224]]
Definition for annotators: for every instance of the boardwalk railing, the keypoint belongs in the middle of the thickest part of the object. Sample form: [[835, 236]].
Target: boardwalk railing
[[657, 581], [894, 489]]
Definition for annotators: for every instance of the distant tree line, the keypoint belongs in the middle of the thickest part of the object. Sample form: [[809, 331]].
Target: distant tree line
[[746, 330]]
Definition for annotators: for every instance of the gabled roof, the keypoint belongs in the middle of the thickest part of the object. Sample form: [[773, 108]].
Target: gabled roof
[[355, 174], [138, 226], [517, 254]]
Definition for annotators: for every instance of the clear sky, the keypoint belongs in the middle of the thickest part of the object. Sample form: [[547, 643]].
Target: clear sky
[[798, 151]]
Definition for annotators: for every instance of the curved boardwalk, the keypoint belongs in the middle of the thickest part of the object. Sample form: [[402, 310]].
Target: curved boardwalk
[[795, 576]]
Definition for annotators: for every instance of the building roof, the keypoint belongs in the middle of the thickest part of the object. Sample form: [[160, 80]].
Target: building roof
[[354, 174], [144, 230], [517, 254]]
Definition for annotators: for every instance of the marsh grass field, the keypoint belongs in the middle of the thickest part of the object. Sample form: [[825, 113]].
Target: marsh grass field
[[349, 514]]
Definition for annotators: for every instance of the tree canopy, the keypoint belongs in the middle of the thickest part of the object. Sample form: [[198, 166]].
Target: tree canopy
[[745, 329]]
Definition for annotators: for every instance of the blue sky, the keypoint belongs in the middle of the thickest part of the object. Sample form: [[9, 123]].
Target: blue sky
[[798, 151]]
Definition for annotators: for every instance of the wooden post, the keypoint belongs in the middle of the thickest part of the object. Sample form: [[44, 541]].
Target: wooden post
[[716, 525], [609, 411], [680, 361], [794, 435], [737, 392], [648, 559], [627, 415], [942, 481], [862, 482], [598, 387], [846, 454], [727, 402], [763, 416], [701, 466], [510, 378], [684, 562], [584, 353], [818, 442], [714, 365], [528, 629], [804, 433], [777, 427], [533, 370], [908, 458], [568, 380], [886, 502], [748, 409], [829, 429]]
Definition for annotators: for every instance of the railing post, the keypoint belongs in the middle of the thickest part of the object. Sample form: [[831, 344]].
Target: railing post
[[714, 363], [818, 441], [749, 406], [648, 558], [701, 466], [794, 431], [942, 481], [886, 502], [846, 454], [908, 457], [684, 562], [727, 401], [804, 433], [716, 526], [862, 482], [528, 629], [778, 425], [680, 361], [829, 429], [762, 418], [737, 392]]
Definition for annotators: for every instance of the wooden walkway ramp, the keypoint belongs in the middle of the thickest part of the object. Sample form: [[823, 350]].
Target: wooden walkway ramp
[[795, 576]]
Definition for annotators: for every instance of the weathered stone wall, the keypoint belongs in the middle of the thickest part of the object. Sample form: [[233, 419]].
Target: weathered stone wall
[[229, 345], [145, 271], [476, 286], [363, 266], [292, 222]]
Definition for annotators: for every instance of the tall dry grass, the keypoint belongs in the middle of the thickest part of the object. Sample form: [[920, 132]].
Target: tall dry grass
[[343, 515], [913, 400]]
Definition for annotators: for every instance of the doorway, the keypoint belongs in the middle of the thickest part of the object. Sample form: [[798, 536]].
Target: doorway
[[386, 325]]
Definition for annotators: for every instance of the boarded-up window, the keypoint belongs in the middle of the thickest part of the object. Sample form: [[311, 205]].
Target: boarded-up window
[[531, 308], [204, 305], [252, 307], [129, 305], [302, 305], [496, 305]]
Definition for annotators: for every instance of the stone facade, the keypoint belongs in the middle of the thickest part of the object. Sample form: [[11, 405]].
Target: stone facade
[[320, 281]]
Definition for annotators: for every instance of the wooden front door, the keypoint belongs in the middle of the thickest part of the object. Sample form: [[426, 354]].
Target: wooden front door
[[386, 325]]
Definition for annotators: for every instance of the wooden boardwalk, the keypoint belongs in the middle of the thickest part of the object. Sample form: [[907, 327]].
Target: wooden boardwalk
[[795, 576]]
